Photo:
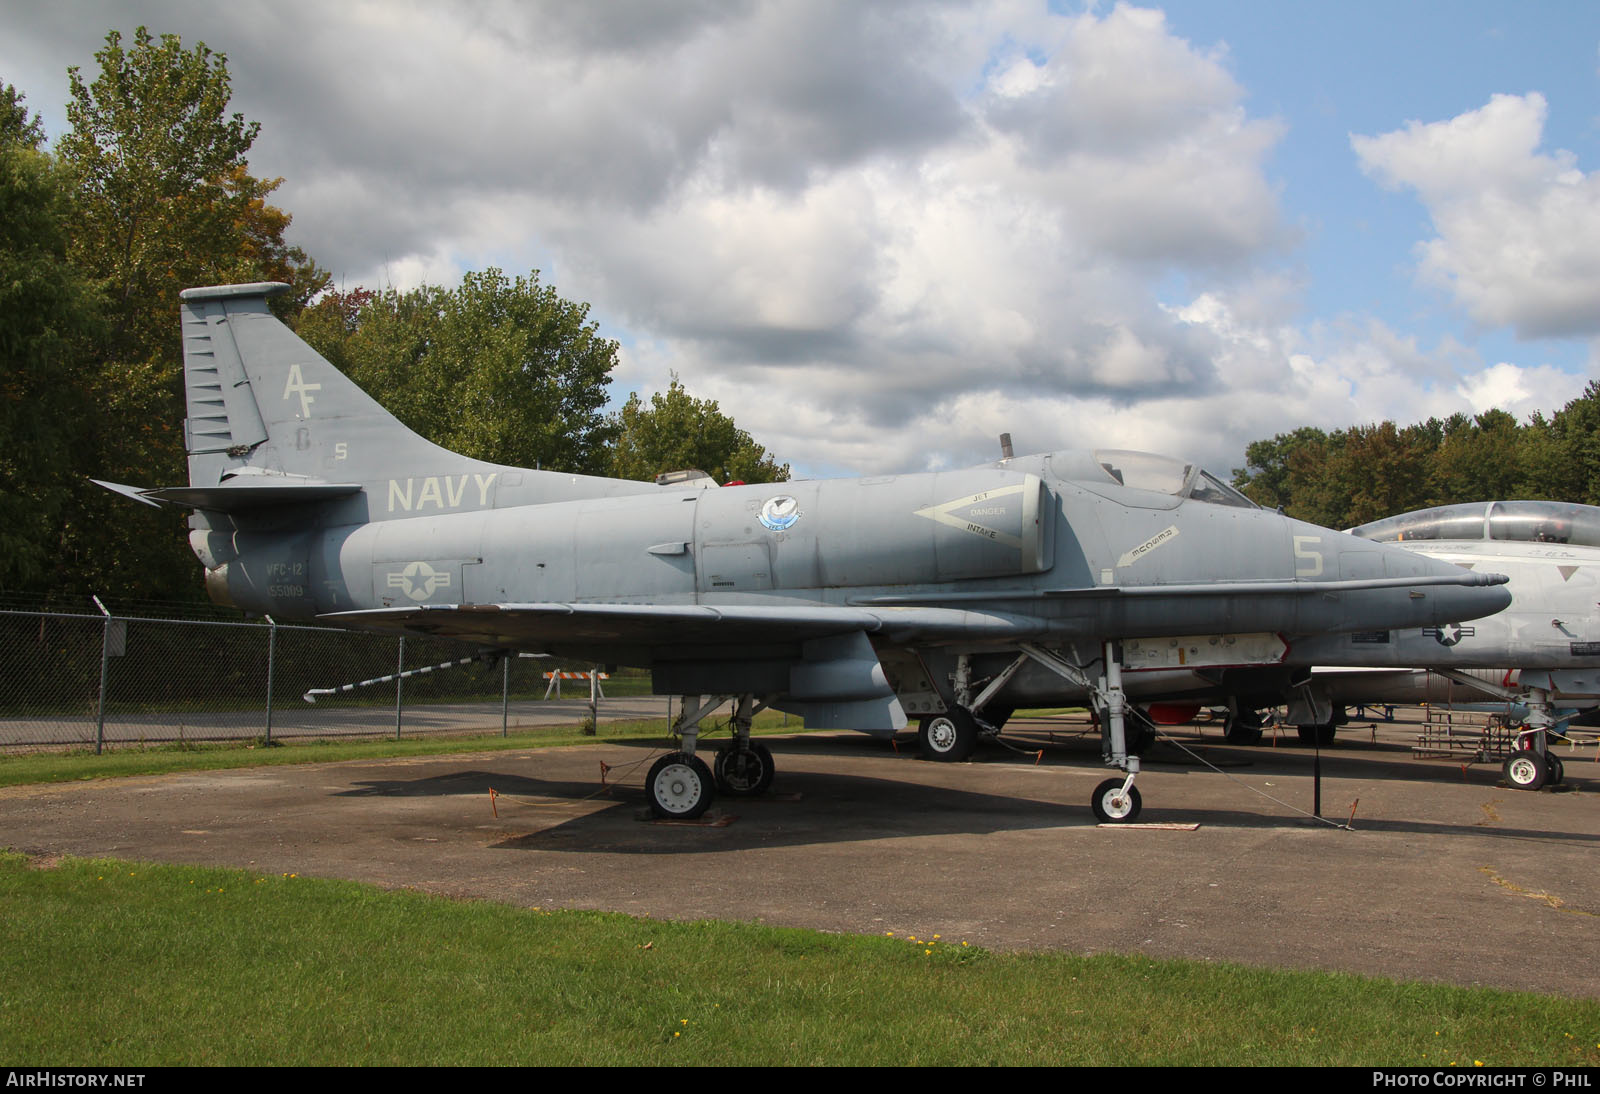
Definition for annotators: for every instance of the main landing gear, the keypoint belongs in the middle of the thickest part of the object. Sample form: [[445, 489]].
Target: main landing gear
[[949, 737], [953, 734], [1243, 727], [744, 772], [1532, 765], [681, 787]]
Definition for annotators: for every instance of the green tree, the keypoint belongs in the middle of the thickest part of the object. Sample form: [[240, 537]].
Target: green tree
[[1345, 478], [48, 316], [676, 432], [161, 199], [1267, 478], [16, 127], [1367, 472], [1563, 453], [1385, 469], [1481, 459], [498, 369], [165, 198]]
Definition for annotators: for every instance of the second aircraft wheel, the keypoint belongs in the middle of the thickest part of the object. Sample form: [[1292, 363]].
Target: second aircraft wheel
[[1112, 806], [948, 738], [1243, 728], [745, 772], [679, 786], [1320, 736], [1527, 770], [1139, 737]]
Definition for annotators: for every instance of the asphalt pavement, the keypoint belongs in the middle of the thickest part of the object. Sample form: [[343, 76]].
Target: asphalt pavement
[[1443, 874]]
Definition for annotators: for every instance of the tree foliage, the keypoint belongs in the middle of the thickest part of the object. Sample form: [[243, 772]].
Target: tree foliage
[[149, 193], [1367, 472], [499, 369], [165, 200], [152, 181], [48, 317], [16, 127], [677, 432]]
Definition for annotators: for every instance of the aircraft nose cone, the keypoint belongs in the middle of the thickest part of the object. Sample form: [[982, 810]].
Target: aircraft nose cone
[[1444, 593], [1459, 602]]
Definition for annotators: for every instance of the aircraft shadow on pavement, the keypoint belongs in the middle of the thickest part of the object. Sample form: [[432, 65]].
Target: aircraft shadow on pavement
[[811, 807], [457, 783], [805, 808]]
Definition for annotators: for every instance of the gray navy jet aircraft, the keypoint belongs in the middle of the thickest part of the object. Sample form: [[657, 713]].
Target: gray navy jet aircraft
[[950, 596], [1542, 650]]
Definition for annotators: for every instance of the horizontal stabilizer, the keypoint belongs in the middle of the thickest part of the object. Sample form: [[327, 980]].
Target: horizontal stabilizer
[[230, 498], [137, 493]]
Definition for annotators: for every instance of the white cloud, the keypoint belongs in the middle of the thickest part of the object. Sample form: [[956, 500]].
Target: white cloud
[[881, 234], [1519, 390], [1518, 240], [1013, 259]]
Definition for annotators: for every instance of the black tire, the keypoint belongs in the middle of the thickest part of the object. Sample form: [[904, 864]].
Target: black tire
[[680, 787], [745, 772], [1139, 736], [1558, 770], [996, 715], [948, 738], [1319, 736], [1526, 770], [1243, 728], [1112, 807]]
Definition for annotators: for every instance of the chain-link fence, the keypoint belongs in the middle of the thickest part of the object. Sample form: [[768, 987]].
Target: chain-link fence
[[83, 680]]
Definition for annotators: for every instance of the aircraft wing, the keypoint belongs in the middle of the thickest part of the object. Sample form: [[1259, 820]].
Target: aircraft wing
[[679, 628]]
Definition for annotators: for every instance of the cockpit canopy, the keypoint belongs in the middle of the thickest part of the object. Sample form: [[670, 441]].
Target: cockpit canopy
[[1525, 521], [1151, 472]]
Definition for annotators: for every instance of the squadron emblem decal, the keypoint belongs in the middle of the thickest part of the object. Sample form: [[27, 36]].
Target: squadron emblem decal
[[779, 514]]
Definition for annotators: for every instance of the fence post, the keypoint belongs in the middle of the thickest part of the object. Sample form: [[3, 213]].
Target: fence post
[[272, 650], [505, 692], [399, 682], [594, 706], [105, 665]]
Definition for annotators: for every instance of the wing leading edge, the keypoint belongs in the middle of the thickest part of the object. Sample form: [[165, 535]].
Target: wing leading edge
[[678, 629]]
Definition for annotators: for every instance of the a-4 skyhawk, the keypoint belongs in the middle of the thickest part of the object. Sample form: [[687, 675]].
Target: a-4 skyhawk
[[950, 596]]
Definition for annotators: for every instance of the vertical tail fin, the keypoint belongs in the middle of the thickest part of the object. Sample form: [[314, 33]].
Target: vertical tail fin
[[271, 421], [261, 401]]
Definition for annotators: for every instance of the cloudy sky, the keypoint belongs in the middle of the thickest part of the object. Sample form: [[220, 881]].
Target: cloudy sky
[[880, 234]]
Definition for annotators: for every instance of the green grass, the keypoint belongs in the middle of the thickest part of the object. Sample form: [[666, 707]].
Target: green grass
[[69, 766], [119, 964]]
